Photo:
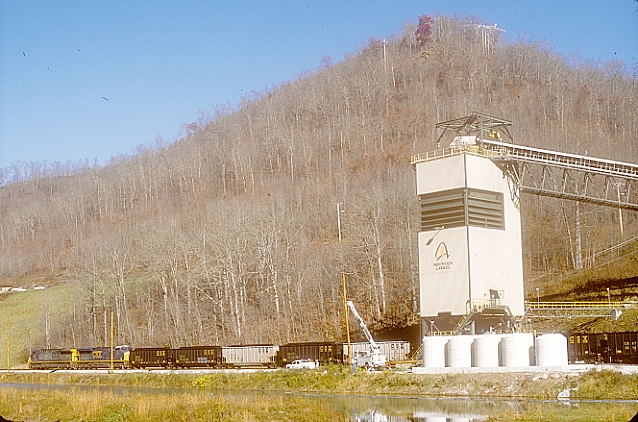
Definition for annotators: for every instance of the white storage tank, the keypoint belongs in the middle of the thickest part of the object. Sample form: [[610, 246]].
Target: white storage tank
[[459, 351], [517, 350], [434, 351], [551, 350], [485, 350]]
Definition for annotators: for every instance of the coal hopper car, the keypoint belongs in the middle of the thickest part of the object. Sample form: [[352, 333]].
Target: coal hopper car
[[198, 357], [603, 347], [151, 357], [322, 352], [254, 356]]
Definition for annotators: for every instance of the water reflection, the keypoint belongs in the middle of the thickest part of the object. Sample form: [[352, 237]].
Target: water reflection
[[373, 416], [381, 409], [380, 417], [467, 410]]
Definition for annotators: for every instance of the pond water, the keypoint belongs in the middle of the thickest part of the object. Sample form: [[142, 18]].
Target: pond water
[[401, 409], [378, 408]]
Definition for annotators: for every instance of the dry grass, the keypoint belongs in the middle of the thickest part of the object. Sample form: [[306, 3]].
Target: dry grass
[[104, 406], [612, 412]]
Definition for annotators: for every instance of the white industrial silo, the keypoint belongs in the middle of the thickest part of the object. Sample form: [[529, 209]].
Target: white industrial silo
[[551, 350], [459, 351], [434, 351], [485, 350], [517, 350]]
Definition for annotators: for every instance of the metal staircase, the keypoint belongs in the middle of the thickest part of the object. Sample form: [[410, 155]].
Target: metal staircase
[[490, 308], [464, 322], [417, 354]]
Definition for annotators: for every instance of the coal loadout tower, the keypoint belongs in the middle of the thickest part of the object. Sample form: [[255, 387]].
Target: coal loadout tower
[[470, 258], [470, 249]]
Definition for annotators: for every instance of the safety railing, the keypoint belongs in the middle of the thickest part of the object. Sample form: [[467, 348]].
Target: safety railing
[[442, 333], [457, 150], [477, 305], [580, 305]]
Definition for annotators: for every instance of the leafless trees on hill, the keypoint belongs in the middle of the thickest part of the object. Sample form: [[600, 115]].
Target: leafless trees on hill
[[229, 235]]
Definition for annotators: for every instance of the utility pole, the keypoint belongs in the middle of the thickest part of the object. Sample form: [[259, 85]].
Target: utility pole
[[47, 320], [538, 296], [385, 57], [343, 283], [339, 221], [112, 335]]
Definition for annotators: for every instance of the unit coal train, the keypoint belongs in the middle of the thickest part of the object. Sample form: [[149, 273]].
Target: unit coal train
[[603, 348], [240, 356]]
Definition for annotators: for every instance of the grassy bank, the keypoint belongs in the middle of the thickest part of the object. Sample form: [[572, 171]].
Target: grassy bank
[[338, 380], [592, 385], [22, 318], [98, 406], [612, 412]]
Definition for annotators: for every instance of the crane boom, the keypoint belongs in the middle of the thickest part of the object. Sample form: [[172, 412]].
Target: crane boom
[[363, 326]]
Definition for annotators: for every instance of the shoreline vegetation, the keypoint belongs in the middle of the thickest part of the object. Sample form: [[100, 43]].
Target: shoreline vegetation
[[334, 379], [201, 397]]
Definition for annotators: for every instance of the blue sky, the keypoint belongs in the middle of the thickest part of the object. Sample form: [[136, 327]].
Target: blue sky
[[160, 64]]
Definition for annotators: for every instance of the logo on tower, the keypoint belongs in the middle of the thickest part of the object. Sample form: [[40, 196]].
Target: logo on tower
[[442, 259]]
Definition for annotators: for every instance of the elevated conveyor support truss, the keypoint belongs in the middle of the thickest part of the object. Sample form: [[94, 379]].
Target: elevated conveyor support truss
[[567, 176]]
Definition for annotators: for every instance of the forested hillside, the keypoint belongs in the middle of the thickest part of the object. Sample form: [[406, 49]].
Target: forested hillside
[[229, 234]]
